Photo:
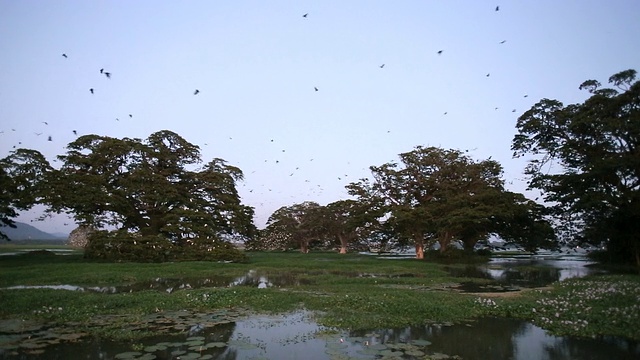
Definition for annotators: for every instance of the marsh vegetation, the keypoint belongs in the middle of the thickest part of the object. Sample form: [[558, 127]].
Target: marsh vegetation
[[341, 293]]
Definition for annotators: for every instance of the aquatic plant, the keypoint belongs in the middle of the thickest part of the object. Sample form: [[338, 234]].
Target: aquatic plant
[[599, 305]]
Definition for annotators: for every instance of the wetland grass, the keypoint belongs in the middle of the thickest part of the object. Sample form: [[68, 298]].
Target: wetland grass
[[345, 291]]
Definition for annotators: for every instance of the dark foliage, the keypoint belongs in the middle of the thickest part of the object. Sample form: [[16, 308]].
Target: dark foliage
[[123, 246], [586, 161]]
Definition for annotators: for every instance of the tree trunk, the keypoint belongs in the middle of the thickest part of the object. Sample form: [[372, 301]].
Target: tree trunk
[[469, 244], [443, 246], [304, 247], [343, 243], [444, 242], [419, 242]]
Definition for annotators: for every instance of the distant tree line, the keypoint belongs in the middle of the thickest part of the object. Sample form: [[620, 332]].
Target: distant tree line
[[433, 196], [164, 203]]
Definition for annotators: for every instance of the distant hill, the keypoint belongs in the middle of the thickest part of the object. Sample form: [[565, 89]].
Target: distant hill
[[27, 232], [60, 235]]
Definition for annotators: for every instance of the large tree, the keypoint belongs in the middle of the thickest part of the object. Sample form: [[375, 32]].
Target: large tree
[[347, 221], [156, 187], [22, 180], [439, 195], [586, 161], [522, 222], [298, 223]]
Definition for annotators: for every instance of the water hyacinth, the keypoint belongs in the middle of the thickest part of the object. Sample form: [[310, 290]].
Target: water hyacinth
[[486, 302], [583, 307], [47, 309]]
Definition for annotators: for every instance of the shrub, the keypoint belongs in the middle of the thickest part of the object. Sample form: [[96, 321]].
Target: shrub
[[452, 255], [124, 246], [484, 252], [79, 237]]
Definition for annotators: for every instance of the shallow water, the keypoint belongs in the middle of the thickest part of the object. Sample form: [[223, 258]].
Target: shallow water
[[298, 336], [251, 279], [40, 251], [497, 338], [512, 273]]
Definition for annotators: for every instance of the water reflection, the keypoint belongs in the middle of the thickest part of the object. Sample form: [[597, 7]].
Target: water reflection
[[158, 284], [494, 338], [252, 278], [261, 280], [298, 336], [529, 272], [568, 266], [41, 252]]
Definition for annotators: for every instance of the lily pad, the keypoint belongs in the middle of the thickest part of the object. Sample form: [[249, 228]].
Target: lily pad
[[35, 352], [33, 344], [190, 356], [439, 356], [128, 355], [369, 351], [334, 352], [195, 338], [420, 342], [340, 357], [7, 339], [401, 347], [155, 348], [378, 347], [391, 353], [414, 353], [19, 326], [216, 345], [194, 343], [53, 341], [72, 337]]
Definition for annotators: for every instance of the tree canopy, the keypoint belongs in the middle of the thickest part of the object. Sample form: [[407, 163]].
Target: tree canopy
[[296, 224], [22, 180], [439, 195], [158, 188], [586, 161], [347, 221]]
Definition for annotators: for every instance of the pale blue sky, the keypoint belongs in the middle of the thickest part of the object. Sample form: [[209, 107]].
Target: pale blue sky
[[256, 64]]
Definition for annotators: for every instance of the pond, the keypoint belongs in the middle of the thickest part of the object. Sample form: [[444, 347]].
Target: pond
[[298, 336], [513, 273]]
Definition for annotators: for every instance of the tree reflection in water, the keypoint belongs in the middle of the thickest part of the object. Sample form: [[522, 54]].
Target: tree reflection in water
[[498, 338]]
